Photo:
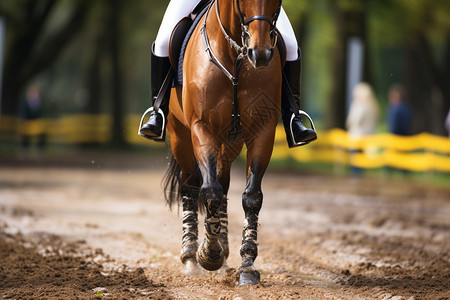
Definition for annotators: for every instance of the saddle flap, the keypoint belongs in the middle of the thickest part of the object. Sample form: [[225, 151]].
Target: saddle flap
[[176, 40], [180, 32]]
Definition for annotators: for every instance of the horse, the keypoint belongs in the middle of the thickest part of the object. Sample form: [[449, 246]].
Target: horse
[[230, 97]]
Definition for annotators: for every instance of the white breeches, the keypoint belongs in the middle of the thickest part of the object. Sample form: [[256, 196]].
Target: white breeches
[[178, 9]]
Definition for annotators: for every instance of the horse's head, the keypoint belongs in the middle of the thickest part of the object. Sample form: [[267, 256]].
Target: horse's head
[[258, 20]]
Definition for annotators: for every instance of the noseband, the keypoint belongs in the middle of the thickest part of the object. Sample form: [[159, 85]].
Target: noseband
[[241, 54]]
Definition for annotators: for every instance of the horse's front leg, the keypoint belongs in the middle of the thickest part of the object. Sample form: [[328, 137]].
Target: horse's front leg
[[258, 157], [226, 158], [223, 235], [210, 254], [252, 199]]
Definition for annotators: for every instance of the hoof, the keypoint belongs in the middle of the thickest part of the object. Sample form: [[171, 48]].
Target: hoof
[[191, 268], [210, 259], [249, 278], [188, 252]]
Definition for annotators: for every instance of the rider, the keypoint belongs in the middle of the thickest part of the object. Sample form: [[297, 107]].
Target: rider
[[297, 133]]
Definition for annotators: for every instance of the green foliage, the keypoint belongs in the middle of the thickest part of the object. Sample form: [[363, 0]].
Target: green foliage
[[389, 27], [296, 9]]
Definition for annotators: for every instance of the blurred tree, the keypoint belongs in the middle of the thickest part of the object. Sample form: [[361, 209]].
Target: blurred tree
[[102, 49], [32, 45], [95, 38], [114, 37], [298, 12], [349, 17], [427, 62], [419, 33]]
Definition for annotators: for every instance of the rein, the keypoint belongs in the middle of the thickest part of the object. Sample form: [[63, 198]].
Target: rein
[[241, 55]]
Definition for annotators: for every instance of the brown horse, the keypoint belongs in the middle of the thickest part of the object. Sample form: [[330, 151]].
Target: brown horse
[[231, 96]]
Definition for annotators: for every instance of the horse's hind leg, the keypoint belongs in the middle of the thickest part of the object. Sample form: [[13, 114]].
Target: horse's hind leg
[[190, 232], [190, 182], [210, 254]]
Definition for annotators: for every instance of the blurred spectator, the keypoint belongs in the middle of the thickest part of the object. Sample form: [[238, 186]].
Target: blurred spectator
[[399, 113], [362, 118], [399, 116], [31, 113], [447, 123]]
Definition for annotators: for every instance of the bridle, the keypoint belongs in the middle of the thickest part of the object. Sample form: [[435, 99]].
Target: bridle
[[245, 22], [241, 53], [245, 35]]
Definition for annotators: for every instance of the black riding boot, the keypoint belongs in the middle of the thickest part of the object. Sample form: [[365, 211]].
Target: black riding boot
[[154, 129], [296, 133]]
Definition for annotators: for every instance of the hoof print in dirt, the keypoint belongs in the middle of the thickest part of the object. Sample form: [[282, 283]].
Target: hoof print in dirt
[[192, 269]]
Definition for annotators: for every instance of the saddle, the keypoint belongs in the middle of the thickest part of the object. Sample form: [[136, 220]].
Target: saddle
[[178, 41], [182, 33], [180, 37]]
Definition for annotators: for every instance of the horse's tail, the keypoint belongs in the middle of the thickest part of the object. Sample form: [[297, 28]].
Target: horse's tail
[[172, 185], [172, 182]]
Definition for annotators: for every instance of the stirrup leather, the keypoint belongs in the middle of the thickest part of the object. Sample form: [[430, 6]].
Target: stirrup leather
[[300, 112], [150, 110]]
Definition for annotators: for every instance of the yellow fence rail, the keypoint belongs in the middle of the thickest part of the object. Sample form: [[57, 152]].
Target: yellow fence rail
[[421, 152], [72, 129]]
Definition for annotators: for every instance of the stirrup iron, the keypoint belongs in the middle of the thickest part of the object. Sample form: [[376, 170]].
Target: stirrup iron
[[300, 113], [156, 138]]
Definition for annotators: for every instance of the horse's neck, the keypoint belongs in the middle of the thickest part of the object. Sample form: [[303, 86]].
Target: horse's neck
[[230, 21]]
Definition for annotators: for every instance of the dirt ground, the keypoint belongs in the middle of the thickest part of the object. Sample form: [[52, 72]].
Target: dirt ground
[[97, 227]]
